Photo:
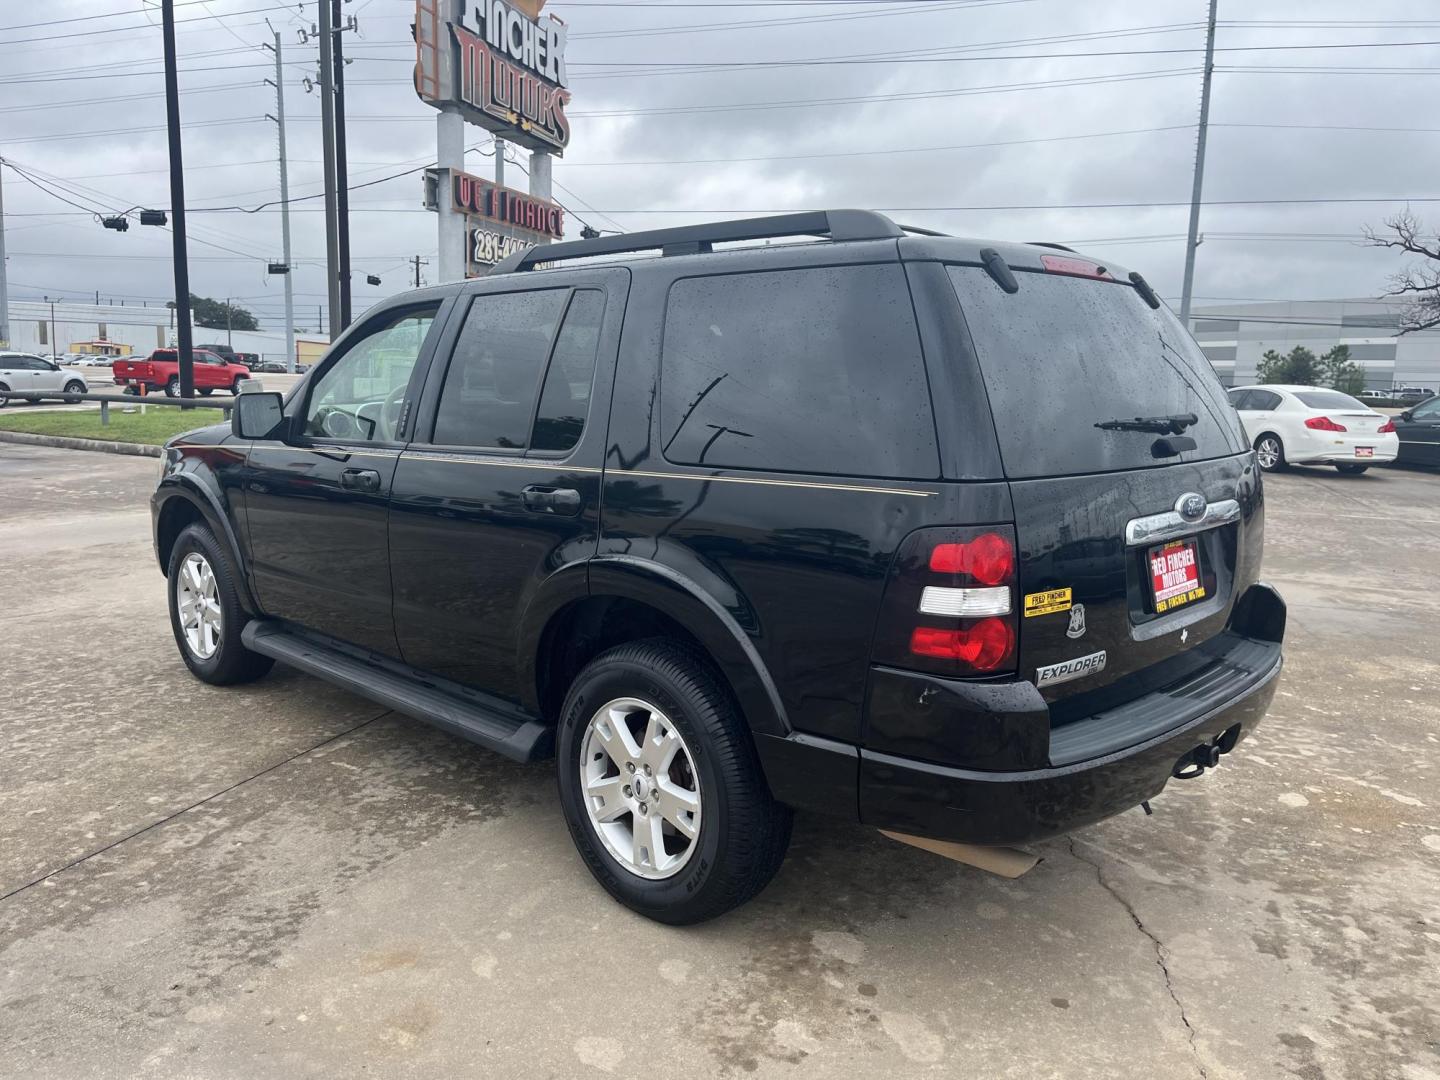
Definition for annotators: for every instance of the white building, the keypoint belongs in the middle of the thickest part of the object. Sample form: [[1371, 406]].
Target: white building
[[1235, 336]]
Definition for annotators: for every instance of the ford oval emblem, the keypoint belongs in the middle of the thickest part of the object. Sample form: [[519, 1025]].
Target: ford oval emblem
[[1191, 506]]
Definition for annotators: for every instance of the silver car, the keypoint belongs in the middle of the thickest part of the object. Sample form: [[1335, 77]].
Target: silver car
[[26, 371]]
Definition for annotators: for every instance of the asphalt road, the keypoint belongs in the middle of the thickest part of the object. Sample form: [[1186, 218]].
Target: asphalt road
[[284, 880]]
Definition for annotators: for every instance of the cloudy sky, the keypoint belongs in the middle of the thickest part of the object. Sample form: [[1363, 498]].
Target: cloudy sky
[[1009, 119]]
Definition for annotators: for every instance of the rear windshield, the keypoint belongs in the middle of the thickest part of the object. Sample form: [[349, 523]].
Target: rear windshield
[[1066, 353], [1329, 399]]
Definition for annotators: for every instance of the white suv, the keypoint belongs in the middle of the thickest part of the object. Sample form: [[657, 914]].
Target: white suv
[[1311, 425], [26, 371]]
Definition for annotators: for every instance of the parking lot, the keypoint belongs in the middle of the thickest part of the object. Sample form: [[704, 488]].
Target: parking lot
[[285, 880]]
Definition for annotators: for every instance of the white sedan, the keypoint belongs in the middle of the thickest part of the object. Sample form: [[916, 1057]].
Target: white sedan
[[26, 371], [1310, 425]]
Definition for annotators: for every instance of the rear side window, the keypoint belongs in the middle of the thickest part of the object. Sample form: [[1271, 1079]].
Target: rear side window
[[1239, 398], [565, 398], [494, 375], [814, 370], [1263, 401], [1330, 399], [1066, 353]]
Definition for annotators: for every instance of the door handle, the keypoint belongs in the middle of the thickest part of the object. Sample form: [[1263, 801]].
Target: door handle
[[360, 480], [548, 500]]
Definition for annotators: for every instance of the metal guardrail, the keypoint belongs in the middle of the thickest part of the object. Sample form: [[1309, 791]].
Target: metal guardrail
[[123, 401]]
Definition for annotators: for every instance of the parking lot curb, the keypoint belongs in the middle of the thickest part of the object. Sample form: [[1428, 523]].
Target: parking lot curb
[[65, 443]]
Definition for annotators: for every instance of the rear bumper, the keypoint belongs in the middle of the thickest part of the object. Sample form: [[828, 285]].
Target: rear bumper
[[976, 807], [1094, 768]]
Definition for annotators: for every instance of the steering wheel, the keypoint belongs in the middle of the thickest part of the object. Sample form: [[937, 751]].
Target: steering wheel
[[390, 412], [339, 424]]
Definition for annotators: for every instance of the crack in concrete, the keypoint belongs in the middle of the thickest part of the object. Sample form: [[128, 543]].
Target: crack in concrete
[[186, 809], [1160, 960]]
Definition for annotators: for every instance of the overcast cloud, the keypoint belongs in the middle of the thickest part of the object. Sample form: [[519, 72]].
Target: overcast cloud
[[70, 78]]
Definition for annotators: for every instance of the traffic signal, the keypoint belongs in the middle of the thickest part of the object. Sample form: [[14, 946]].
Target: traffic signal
[[119, 224]]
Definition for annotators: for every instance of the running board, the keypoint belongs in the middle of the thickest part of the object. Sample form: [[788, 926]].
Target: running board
[[480, 718]]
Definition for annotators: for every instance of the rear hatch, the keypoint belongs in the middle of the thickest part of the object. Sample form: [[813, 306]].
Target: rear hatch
[[1107, 563]]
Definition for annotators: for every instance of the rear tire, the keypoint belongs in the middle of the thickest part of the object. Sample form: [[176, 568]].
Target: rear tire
[[73, 390], [4, 400], [1270, 452], [172, 388], [1352, 470], [667, 692], [205, 612]]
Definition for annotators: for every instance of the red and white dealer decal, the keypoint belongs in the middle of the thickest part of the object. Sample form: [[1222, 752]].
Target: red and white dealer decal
[[1175, 574]]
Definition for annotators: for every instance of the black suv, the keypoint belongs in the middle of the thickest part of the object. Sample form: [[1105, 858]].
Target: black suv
[[955, 539]]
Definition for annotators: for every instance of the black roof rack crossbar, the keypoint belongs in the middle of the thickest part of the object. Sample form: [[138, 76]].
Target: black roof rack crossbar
[[838, 225]]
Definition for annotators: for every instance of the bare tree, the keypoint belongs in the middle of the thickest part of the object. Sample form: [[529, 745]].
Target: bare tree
[[1418, 283]]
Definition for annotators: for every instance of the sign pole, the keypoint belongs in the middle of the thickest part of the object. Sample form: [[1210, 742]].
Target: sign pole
[[177, 206], [450, 157], [540, 182]]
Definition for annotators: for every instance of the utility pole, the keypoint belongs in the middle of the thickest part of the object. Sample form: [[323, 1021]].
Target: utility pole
[[1192, 239], [342, 171], [284, 208], [4, 286], [52, 301], [229, 337], [327, 139], [177, 205], [419, 262]]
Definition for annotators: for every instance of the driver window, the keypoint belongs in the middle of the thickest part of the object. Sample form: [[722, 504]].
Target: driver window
[[360, 396]]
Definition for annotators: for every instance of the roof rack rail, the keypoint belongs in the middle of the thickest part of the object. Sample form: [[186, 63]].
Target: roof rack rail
[[838, 225], [918, 231], [1057, 247]]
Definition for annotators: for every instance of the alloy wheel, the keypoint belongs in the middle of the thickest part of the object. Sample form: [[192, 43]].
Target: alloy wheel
[[198, 600], [1268, 451], [640, 788]]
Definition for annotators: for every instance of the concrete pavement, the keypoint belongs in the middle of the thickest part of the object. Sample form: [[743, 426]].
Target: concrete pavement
[[283, 880]]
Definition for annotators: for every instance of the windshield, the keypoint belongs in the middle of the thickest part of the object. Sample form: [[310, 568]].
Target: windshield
[[1067, 353], [1329, 399]]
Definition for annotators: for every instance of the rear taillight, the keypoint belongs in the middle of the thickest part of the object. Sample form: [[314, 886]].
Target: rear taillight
[[1323, 423], [950, 604], [984, 646], [1387, 428], [989, 558]]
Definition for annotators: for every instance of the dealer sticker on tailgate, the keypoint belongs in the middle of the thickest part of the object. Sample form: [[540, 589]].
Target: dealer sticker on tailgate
[[1047, 602], [1175, 574]]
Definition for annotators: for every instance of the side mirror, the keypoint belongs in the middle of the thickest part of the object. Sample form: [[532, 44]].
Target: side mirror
[[1407, 416], [257, 415]]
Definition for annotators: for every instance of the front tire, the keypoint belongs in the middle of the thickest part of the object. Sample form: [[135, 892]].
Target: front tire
[[661, 787], [1270, 453], [205, 612], [237, 384], [73, 390], [1352, 470], [4, 400]]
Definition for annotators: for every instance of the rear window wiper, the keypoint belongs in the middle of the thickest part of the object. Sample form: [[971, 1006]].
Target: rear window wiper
[[1158, 425]]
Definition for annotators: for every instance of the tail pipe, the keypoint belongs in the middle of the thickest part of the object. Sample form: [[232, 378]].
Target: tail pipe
[[1206, 755]]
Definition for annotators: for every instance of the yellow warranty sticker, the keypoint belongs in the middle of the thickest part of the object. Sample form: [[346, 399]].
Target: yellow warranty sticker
[[1047, 603]]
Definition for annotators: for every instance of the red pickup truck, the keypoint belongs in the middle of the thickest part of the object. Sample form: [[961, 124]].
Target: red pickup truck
[[161, 371]]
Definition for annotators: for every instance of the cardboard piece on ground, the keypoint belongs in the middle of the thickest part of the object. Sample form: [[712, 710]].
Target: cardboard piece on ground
[[1004, 861]]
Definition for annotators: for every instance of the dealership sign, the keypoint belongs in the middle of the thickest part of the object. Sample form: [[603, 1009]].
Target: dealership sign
[[483, 198], [499, 63]]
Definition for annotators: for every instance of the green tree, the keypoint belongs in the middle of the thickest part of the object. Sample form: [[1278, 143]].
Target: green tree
[[1340, 372], [213, 313], [1299, 368]]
